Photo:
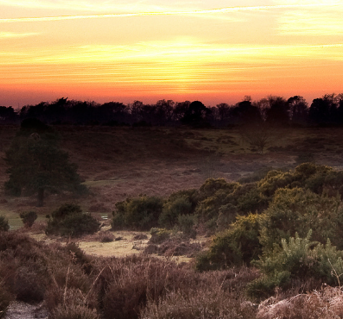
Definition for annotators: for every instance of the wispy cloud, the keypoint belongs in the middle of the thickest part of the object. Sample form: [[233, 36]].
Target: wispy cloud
[[156, 13], [9, 35]]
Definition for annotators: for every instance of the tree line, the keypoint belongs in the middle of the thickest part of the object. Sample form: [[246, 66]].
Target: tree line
[[324, 111]]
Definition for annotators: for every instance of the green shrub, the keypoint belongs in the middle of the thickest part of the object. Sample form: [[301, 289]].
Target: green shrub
[[138, 213], [186, 224], [297, 258], [69, 220], [236, 246], [273, 181], [173, 209], [299, 210], [212, 185], [4, 226], [28, 218], [159, 235], [66, 210]]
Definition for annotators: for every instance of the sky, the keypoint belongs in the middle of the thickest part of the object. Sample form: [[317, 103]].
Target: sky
[[214, 51]]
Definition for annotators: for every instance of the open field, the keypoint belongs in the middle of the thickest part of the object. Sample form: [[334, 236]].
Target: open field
[[120, 162]]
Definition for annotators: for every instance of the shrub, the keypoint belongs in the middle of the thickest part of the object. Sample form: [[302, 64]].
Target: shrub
[[159, 235], [172, 209], [66, 210], [210, 303], [297, 258], [4, 226], [212, 185], [139, 213], [299, 210], [69, 220], [238, 245], [186, 224], [28, 218]]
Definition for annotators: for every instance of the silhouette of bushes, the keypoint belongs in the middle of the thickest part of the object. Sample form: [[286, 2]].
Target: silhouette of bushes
[[28, 218], [68, 220]]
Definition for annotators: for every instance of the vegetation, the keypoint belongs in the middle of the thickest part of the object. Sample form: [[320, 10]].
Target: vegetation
[[28, 218], [69, 220], [276, 233], [36, 163], [4, 226]]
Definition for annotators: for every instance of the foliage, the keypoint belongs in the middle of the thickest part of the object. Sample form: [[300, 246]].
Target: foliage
[[138, 213], [236, 246], [4, 226], [28, 218], [186, 224], [297, 258], [69, 220], [299, 210], [178, 203], [37, 164], [159, 235]]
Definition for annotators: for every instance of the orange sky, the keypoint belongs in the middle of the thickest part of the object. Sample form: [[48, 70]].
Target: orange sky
[[214, 51]]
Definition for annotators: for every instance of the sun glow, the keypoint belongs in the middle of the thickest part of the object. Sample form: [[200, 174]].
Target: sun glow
[[181, 50]]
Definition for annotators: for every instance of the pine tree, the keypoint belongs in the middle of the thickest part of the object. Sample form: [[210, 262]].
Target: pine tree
[[36, 163]]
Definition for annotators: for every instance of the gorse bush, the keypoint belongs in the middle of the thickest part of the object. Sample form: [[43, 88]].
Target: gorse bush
[[298, 258], [186, 224], [173, 208], [299, 210], [138, 213], [69, 220], [236, 246], [28, 218]]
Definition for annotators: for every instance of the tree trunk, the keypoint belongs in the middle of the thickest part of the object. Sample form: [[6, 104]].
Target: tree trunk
[[40, 197]]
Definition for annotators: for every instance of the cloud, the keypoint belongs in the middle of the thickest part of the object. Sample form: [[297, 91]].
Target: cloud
[[205, 12], [9, 35], [316, 23]]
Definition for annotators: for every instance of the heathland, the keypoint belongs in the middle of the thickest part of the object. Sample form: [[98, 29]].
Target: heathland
[[185, 221]]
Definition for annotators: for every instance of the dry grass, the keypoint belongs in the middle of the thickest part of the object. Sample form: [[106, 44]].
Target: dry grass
[[324, 304]]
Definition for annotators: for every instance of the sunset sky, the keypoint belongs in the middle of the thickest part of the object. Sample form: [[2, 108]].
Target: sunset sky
[[124, 50]]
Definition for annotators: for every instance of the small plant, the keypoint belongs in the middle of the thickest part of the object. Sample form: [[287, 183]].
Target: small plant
[[28, 218], [4, 226]]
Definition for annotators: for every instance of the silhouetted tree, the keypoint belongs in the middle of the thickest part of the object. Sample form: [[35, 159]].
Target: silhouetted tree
[[180, 110], [37, 164], [278, 111], [195, 115], [246, 113], [298, 110], [324, 111]]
